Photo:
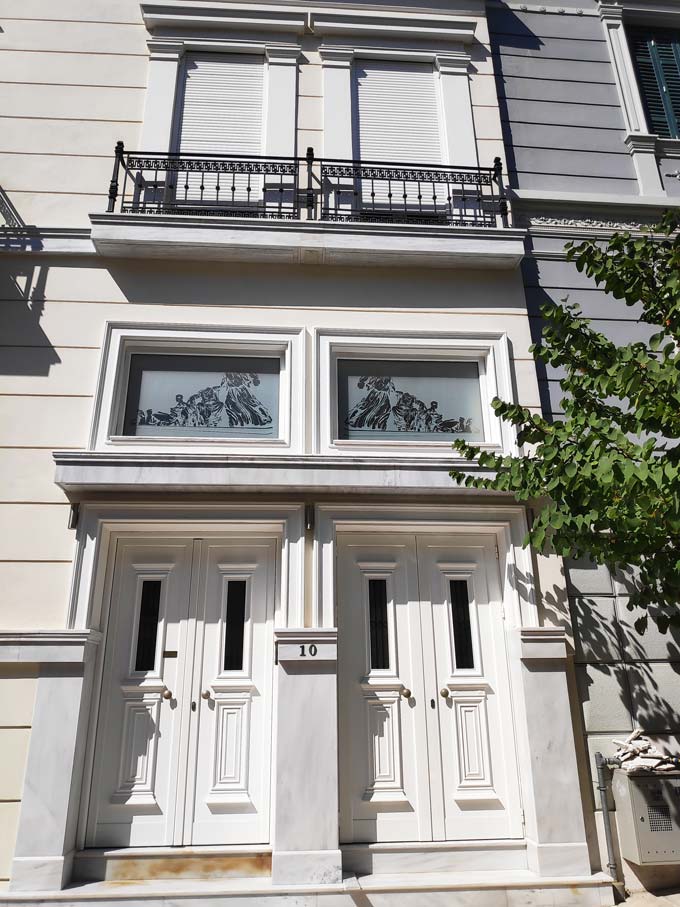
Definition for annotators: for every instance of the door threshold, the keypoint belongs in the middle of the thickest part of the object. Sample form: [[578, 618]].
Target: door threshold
[[145, 864], [435, 856]]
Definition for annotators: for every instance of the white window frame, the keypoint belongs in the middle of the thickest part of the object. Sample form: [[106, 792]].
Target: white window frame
[[165, 90], [489, 351], [457, 128], [645, 147], [123, 340]]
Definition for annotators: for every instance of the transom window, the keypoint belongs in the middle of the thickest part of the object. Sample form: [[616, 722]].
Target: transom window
[[656, 54], [199, 396], [392, 399]]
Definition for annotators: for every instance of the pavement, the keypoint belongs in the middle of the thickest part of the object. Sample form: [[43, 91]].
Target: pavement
[[645, 899]]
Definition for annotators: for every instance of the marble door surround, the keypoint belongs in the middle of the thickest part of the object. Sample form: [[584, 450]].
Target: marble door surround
[[304, 833]]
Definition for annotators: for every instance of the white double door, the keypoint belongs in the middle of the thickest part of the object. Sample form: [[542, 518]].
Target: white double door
[[183, 745], [426, 729]]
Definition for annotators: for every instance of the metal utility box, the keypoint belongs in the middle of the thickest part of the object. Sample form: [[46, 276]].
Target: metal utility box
[[648, 817]]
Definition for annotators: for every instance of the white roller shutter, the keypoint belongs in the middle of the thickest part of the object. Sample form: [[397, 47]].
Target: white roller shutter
[[223, 105], [222, 113], [396, 112]]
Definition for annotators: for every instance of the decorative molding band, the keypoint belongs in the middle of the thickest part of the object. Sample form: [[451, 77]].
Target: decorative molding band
[[184, 16], [388, 24], [585, 223], [48, 647], [540, 8], [542, 644]]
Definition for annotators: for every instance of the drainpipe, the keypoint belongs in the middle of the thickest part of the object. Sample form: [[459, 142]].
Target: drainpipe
[[602, 763]]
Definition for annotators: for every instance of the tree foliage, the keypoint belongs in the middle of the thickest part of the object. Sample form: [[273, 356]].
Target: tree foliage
[[605, 475]]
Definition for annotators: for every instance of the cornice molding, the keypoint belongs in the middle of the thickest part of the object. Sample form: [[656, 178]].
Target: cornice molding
[[324, 22]]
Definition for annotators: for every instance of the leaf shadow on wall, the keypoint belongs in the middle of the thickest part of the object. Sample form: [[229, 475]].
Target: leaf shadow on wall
[[617, 678], [26, 349]]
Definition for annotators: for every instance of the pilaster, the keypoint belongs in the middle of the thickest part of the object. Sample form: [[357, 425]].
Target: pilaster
[[161, 90], [459, 127], [281, 125], [555, 830], [336, 63], [306, 847]]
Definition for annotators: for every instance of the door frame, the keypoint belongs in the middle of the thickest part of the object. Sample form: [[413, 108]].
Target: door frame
[[506, 525], [99, 530]]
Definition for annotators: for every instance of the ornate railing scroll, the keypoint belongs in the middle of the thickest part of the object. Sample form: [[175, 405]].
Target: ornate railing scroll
[[306, 188]]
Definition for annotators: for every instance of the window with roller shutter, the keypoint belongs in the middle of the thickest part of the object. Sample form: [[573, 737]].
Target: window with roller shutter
[[222, 113], [656, 55], [396, 112]]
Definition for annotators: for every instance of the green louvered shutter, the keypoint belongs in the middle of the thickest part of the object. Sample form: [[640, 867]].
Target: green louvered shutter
[[657, 63], [652, 84]]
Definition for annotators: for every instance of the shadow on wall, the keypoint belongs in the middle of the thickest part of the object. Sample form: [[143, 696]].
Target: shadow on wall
[[508, 34], [25, 348]]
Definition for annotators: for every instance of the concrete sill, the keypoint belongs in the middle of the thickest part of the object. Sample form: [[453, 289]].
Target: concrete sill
[[304, 242]]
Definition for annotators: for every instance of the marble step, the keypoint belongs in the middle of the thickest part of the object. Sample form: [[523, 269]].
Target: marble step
[[148, 864]]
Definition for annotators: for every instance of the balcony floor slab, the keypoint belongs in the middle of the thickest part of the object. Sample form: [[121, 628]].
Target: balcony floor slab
[[168, 236]]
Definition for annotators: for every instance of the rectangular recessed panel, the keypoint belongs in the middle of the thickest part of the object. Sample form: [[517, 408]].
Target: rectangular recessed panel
[[377, 609], [147, 630], [235, 624], [462, 630]]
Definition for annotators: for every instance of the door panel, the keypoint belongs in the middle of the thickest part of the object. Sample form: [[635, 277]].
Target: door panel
[[187, 617], [475, 791], [232, 690], [136, 760], [425, 613], [383, 744]]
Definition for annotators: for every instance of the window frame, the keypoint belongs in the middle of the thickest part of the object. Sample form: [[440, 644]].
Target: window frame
[[489, 351], [122, 341], [652, 33]]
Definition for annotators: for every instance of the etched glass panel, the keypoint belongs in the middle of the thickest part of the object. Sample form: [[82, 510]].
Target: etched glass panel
[[235, 625], [396, 400], [462, 629], [203, 396], [377, 616], [147, 629]]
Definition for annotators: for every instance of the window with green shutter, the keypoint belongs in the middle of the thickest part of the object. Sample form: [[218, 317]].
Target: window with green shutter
[[657, 63]]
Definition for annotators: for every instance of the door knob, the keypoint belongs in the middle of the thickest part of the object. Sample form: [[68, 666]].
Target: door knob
[[444, 692], [205, 694], [406, 693], [167, 694]]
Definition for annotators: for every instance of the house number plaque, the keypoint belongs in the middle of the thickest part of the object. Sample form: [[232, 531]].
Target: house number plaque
[[306, 646]]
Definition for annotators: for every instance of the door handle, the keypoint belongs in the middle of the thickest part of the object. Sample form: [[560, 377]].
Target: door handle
[[406, 693], [167, 694], [205, 694], [445, 692]]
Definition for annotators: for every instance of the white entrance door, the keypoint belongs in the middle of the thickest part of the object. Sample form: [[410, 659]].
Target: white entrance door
[[425, 713], [182, 753]]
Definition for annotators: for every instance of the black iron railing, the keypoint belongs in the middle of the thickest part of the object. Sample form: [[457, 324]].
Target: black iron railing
[[285, 187]]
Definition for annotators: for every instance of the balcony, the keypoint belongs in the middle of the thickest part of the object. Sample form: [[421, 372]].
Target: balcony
[[305, 209]]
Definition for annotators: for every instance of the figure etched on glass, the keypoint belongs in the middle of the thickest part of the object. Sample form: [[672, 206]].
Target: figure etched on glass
[[391, 400]]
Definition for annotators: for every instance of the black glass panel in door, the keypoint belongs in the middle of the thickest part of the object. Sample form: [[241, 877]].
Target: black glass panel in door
[[377, 616], [462, 630], [147, 629], [235, 623]]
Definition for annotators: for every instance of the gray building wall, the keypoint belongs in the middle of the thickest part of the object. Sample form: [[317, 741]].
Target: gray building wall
[[563, 132], [562, 124]]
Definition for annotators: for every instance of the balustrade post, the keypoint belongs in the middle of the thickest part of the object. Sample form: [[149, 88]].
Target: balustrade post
[[502, 200], [310, 184], [113, 186]]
